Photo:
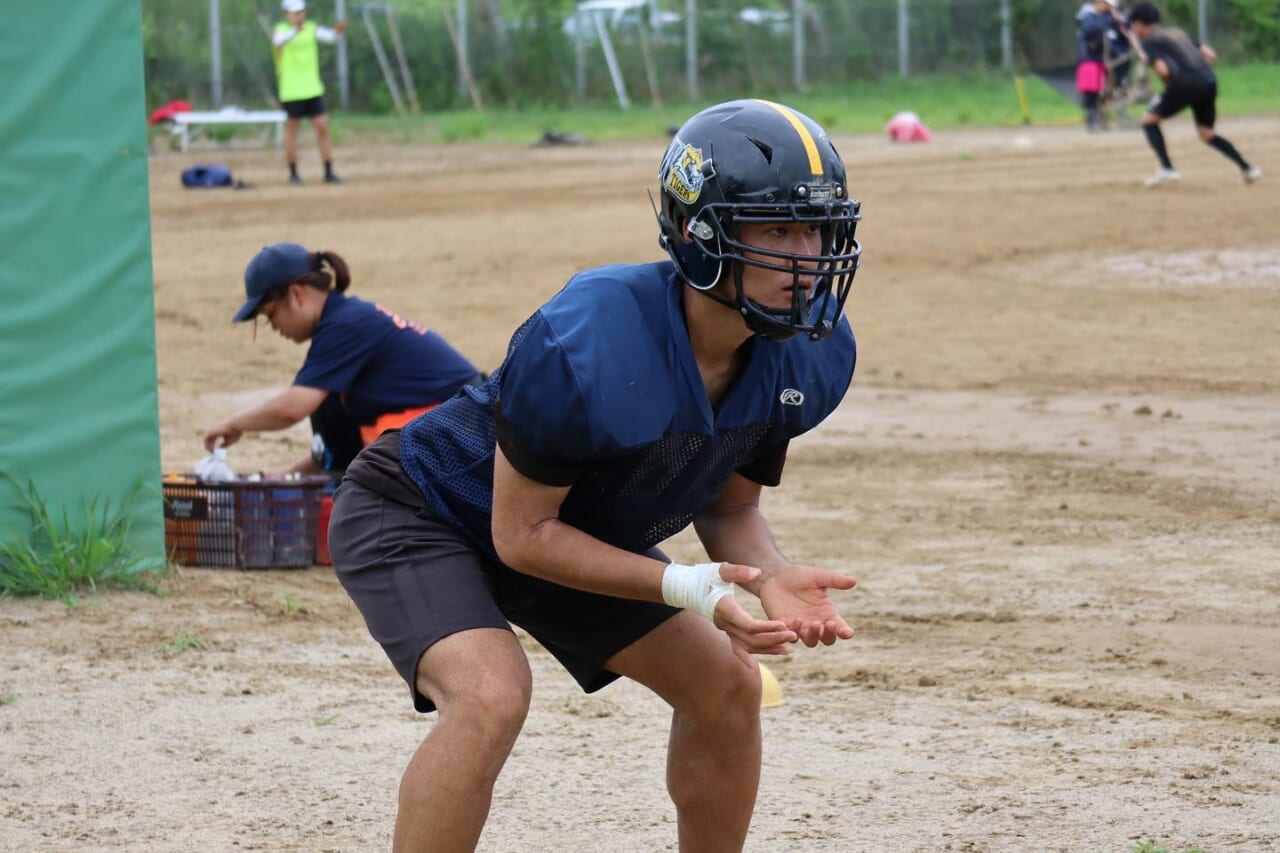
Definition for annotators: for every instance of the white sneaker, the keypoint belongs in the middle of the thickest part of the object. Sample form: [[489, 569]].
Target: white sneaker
[[1253, 173], [1162, 176]]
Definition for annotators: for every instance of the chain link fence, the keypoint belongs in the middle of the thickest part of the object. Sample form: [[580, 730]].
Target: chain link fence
[[562, 53]]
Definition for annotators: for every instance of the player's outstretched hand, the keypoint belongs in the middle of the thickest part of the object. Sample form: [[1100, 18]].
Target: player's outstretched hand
[[757, 636], [797, 595], [221, 435]]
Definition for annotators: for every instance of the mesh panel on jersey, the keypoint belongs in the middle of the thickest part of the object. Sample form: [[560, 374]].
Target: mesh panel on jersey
[[648, 494], [448, 453]]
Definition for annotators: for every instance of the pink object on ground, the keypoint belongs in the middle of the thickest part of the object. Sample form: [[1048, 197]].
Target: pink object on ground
[[907, 127]]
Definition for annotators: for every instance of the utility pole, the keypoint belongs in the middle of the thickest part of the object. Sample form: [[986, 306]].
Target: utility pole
[[904, 38], [797, 44], [1006, 36], [463, 66], [215, 53], [691, 46], [344, 71]]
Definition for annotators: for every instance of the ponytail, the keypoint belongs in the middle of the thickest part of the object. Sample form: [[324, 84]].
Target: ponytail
[[340, 278], [341, 275]]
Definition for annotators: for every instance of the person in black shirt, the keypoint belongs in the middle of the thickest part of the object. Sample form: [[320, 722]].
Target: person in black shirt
[[1187, 71]]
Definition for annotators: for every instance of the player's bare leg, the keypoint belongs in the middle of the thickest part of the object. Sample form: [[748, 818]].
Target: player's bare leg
[[291, 148], [481, 683], [321, 124], [713, 758]]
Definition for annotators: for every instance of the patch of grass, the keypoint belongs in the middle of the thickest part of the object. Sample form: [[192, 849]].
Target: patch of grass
[[323, 721], [981, 99], [180, 642], [289, 604], [464, 127], [59, 558], [8, 698]]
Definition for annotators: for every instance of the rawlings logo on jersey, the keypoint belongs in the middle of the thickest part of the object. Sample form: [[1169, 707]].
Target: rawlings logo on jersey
[[791, 397], [684, 172]]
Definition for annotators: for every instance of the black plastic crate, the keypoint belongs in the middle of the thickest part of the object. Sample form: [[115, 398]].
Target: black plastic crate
[[246, 524]]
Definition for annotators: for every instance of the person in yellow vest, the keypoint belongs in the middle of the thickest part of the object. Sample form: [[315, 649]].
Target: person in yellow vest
[[297, 55]]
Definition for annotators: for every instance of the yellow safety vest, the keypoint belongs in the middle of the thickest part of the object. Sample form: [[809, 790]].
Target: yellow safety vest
[[298, 64]]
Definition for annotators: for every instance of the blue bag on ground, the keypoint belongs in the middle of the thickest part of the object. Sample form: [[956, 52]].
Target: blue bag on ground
[[207, 176]]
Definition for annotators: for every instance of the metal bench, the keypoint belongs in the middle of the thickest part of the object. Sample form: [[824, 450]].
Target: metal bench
[[184, 122]]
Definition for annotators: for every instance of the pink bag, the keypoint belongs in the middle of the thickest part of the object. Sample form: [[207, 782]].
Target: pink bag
[[1090, 76]]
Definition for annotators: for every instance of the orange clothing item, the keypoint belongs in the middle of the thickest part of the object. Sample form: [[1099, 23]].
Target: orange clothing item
[[391, 420]]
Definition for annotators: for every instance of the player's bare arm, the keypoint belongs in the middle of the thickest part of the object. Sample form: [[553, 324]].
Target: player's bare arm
[[280, 412], [734, 530], [529, 537]]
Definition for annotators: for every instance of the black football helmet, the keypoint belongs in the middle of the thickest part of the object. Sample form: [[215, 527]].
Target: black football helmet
[[756, 161]]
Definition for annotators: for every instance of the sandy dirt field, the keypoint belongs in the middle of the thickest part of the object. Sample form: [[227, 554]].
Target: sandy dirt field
[[1056, 476]]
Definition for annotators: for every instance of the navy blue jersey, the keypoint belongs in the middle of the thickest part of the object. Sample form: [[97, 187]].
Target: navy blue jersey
[[377, 362], [600, 392]]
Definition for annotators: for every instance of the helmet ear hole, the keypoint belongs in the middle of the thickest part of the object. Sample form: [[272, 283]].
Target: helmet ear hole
[[698, 268]]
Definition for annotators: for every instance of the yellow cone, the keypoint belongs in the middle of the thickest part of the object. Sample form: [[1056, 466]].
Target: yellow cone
[[771, 696]]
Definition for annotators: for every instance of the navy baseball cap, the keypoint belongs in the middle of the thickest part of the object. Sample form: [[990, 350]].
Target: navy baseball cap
[[275, 265]]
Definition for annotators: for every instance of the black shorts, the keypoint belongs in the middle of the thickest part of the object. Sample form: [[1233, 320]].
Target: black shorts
[[1201, 97], [416, 580], [306, 108]]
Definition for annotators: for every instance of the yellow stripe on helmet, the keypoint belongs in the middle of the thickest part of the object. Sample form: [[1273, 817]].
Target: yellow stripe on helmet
[[810, 145]]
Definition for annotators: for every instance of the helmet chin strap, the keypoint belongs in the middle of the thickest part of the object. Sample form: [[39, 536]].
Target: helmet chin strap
[[759, 319], [756, 317]]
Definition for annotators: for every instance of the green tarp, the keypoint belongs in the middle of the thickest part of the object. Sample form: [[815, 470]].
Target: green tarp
[[78, 404]]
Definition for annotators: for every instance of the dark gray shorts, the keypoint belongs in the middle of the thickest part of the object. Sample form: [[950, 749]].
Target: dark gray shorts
[[416, 580]]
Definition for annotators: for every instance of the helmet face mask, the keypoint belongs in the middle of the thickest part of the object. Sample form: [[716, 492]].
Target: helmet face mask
[[754, 162]]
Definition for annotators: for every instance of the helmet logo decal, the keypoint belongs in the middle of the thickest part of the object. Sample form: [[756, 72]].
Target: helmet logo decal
[[791, 397], [683, 174]]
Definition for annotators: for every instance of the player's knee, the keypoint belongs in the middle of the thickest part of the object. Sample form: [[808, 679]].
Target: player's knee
[[499, 703], [731, 692]]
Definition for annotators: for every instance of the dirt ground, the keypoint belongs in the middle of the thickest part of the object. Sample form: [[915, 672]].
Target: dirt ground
[[1056, 476]]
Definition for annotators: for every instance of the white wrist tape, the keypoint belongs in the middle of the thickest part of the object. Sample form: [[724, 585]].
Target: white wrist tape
[[696, 587]]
